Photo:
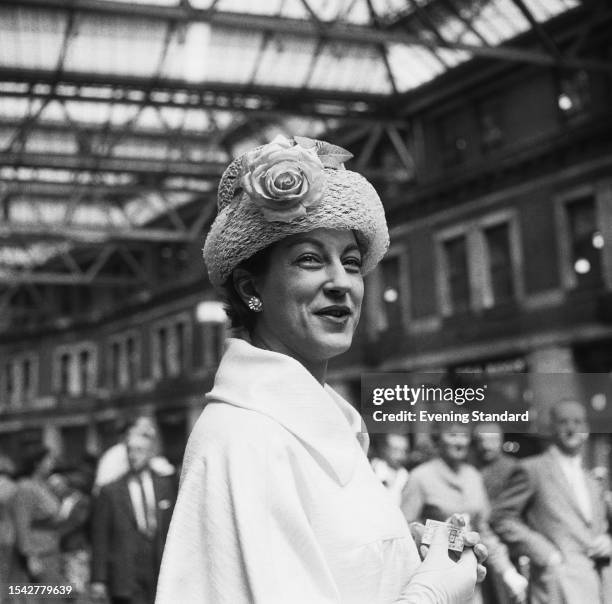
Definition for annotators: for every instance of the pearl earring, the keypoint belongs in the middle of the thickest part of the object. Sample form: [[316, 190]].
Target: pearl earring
[[255, 304]]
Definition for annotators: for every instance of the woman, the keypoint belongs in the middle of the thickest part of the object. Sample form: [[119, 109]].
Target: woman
[[73, 527], [278, 503], [7, 526], [447, 485], [36, 512]]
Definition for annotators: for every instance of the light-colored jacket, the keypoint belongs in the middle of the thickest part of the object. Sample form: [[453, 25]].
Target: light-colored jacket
[[278, 503], [538, 514]]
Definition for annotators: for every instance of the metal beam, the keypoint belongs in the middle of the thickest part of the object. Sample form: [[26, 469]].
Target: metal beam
[[256, 99], [96, 163], [546, 40], [335, 31], [16, 277], [53, 190], [156, 136], [84, 235]]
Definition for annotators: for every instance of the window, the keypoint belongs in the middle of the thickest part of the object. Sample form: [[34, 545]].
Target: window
[[26, 376], [497, 240], [132, 361], [115, 364], [479, 264], [179, 335], [490, 120], [453, 138], [574, 98], [455, 256], [75, 370], [64, 361], [171, 346], [162, 348], [581, 242], [392, 292], [124, 359], [9, 384], [19, 380], [85, 377]]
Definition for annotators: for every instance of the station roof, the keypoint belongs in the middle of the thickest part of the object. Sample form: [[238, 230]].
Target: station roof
[[116, 113]]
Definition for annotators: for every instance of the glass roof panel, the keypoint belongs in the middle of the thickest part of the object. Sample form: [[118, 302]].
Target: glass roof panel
[[285, 61], [337, 65], [187, 52], [28, 256], [156, 2], [232, 55], [58, 142], [16, 107], [6, 136], [34, 211], [31, 38], [412, 65], [108, 44], [269, 7], [95, 215]]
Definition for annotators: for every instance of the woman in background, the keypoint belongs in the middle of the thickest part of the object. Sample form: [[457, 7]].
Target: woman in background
[[278, 503], [448, 485], [7, 527], [36, 512]]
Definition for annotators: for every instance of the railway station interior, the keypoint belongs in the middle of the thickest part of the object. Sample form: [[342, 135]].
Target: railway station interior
[[485, 126]]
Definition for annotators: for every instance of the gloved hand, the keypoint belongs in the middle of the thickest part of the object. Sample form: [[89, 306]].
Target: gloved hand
[[470, 539], [516, 584], [439, 580]]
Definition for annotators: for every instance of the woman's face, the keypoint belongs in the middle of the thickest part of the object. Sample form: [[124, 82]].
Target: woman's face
[[454, 443], [311, 293]]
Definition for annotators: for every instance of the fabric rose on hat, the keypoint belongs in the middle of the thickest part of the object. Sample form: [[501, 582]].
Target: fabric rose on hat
[[283, 179]]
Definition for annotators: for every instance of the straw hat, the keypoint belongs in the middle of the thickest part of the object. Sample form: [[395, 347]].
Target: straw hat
[[288, 187]]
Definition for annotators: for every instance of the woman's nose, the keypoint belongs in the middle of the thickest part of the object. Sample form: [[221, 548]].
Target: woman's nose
[[338, 280]]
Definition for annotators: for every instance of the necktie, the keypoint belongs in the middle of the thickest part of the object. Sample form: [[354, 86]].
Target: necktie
[[148, 504]]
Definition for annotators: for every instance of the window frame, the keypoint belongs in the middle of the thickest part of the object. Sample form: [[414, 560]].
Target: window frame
[[478, 261], [602, 197]]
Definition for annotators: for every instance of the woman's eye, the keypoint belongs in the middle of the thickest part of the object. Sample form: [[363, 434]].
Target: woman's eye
[[309, 259], [353, 263]]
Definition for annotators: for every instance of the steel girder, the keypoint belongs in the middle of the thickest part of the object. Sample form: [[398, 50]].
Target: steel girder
[[332, 31]]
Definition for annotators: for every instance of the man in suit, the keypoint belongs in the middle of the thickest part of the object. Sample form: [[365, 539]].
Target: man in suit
[[494, 465], [553, 511], [130, 522]]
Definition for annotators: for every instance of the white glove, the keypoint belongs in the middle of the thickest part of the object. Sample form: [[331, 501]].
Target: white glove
[[439, 580], [516, 584]]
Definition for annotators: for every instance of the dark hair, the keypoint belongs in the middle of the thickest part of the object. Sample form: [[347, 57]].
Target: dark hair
[[32, 458], [239, 314]]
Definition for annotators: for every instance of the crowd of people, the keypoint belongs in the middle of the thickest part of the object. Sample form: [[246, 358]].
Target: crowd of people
[[545, 519], [98, 528]]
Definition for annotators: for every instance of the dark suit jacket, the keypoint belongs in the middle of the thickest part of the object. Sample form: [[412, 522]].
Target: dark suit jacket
[[115, 535], [496, 474], [538, 514], [74, 530]]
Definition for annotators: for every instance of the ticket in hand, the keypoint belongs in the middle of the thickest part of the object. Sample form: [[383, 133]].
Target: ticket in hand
[[455, 534]]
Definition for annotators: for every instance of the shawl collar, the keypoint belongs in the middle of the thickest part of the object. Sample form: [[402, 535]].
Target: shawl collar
[[281, 388]]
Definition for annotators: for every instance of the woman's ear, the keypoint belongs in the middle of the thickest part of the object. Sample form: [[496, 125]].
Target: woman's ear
[[244, 284]]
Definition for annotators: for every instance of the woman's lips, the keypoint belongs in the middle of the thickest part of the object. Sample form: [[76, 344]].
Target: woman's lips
[[336, 314]]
